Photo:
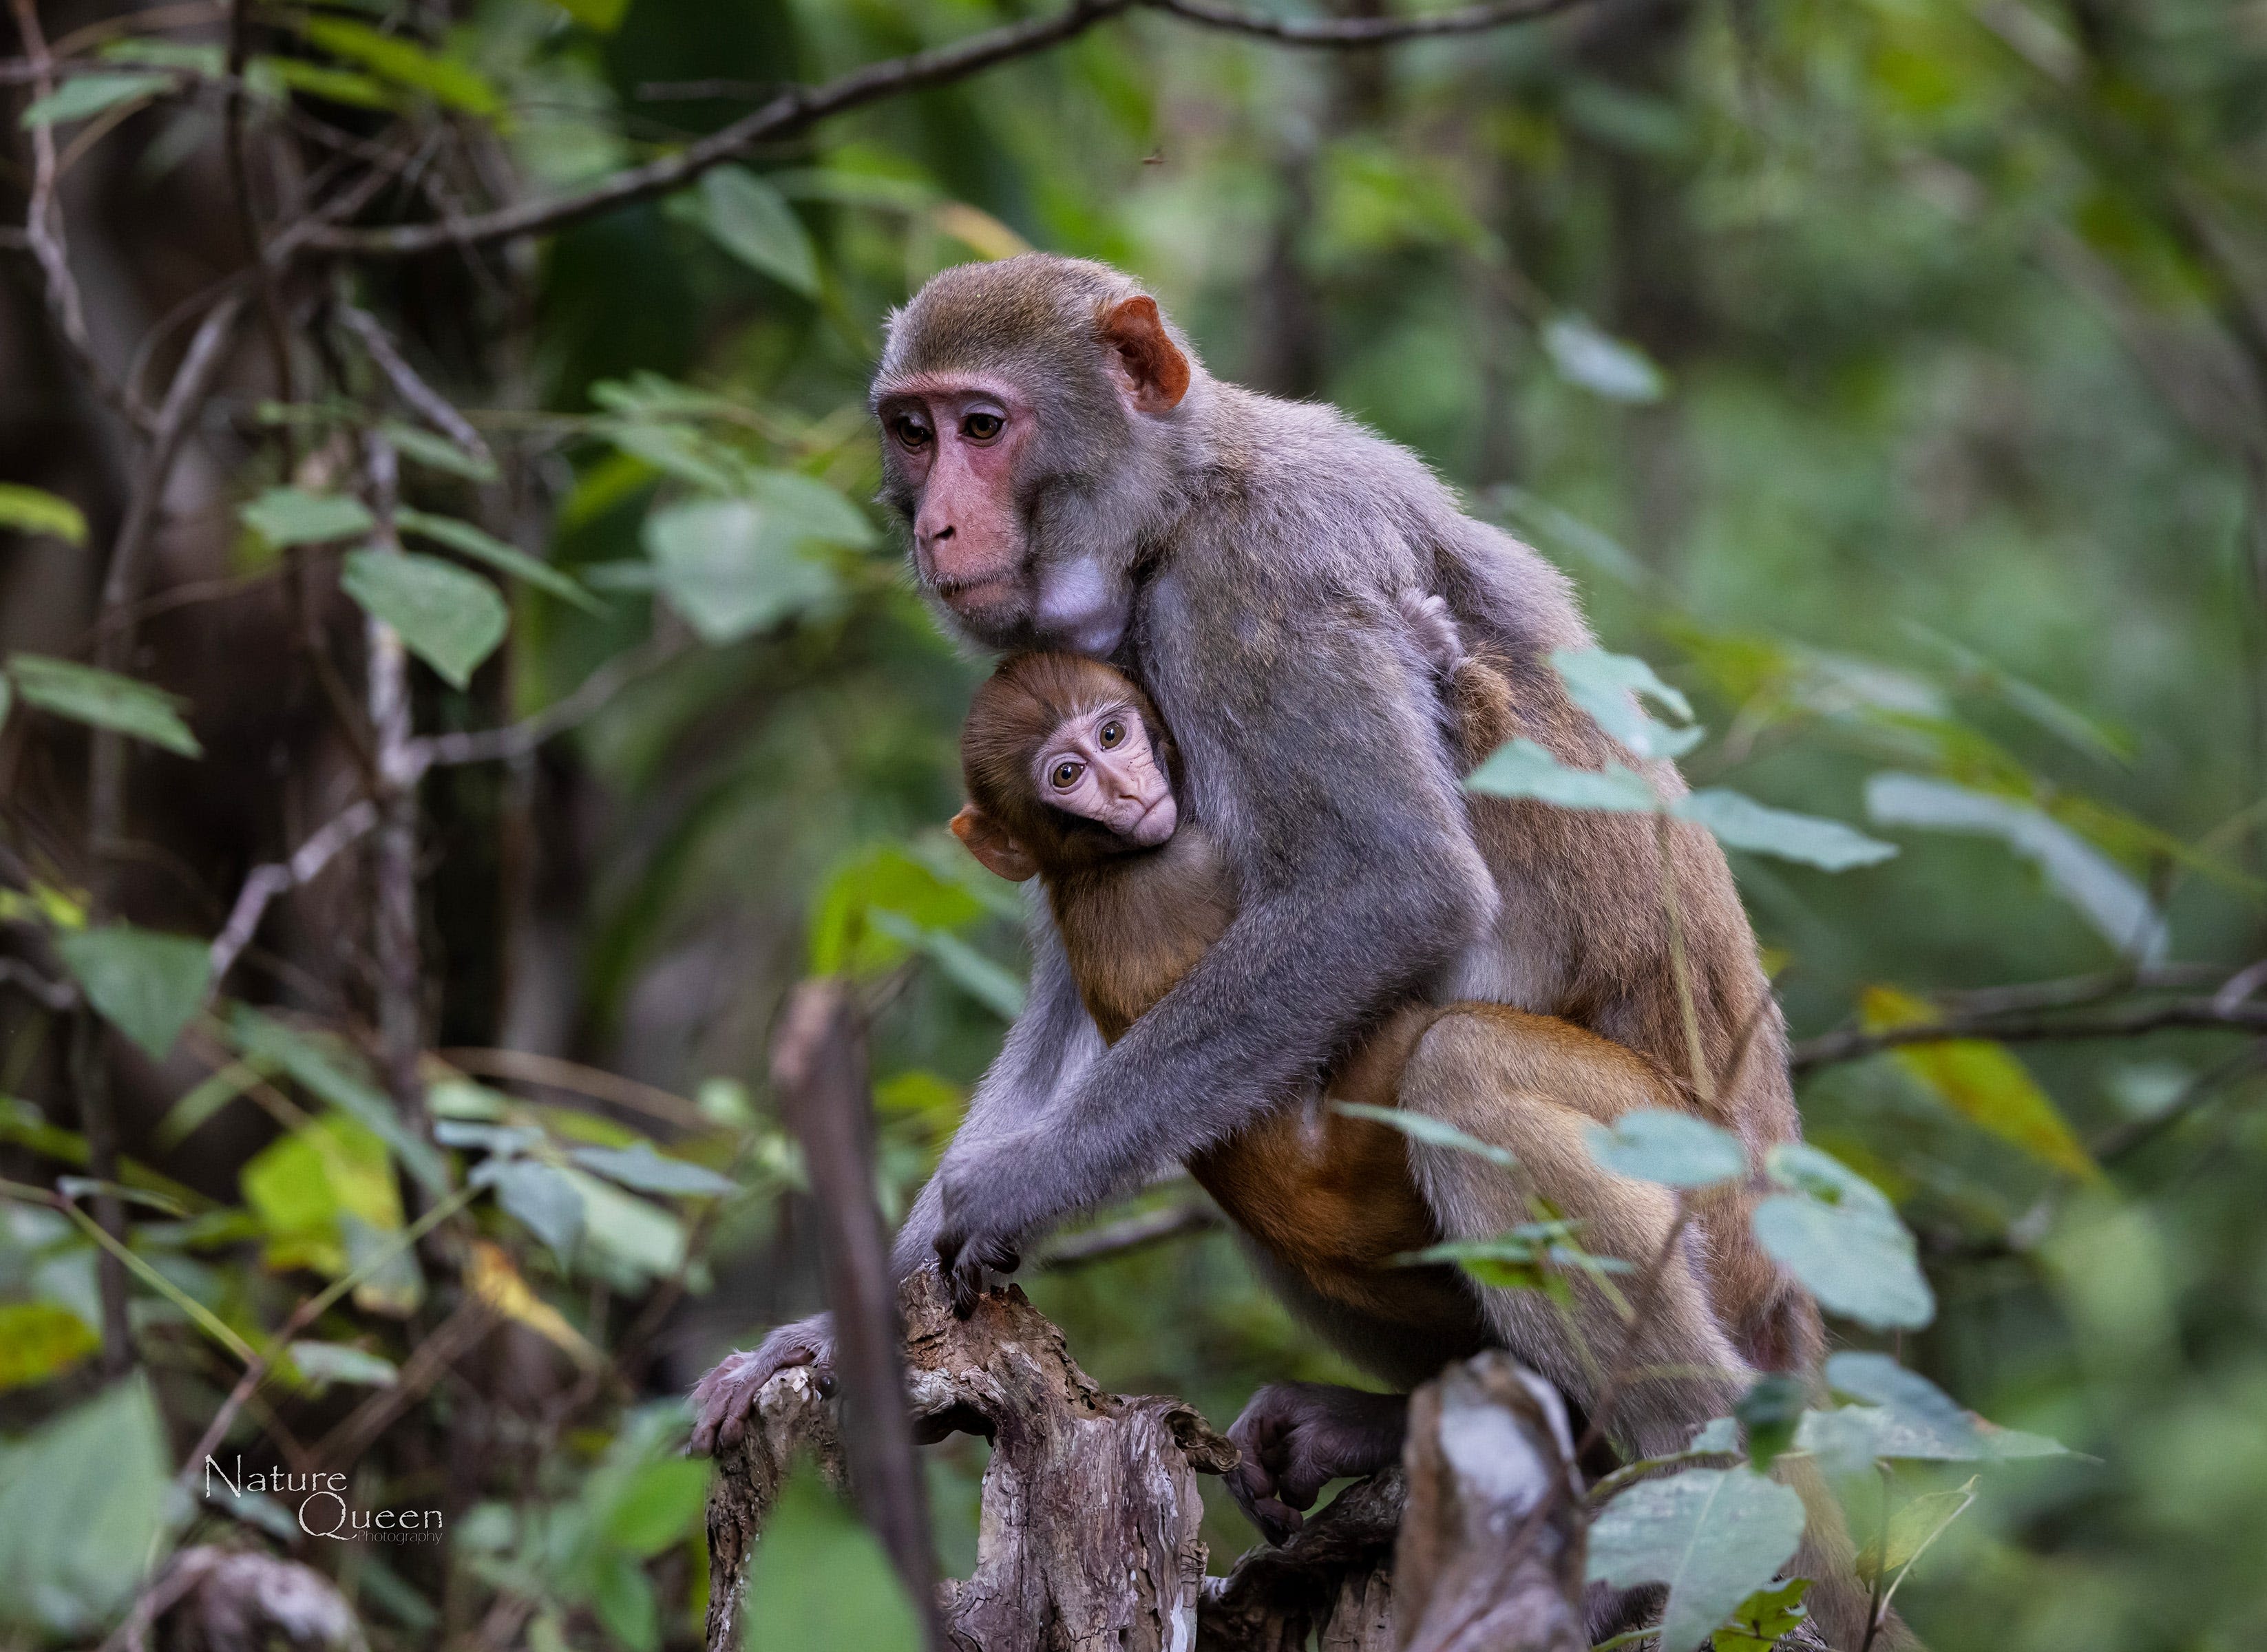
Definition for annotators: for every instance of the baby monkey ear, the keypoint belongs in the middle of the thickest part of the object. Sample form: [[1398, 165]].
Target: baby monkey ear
[[1150, 365], [999, 853]]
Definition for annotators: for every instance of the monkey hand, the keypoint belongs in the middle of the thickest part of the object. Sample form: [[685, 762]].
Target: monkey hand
[[971, 1234], [724, 1400], [1295, 1438]]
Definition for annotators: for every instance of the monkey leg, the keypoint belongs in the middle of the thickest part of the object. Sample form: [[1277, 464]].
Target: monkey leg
[[1532, 1085]]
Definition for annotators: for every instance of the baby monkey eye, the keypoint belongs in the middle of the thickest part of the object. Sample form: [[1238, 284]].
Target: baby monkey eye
[[1065, 775], [1112, 731], [982, 427]]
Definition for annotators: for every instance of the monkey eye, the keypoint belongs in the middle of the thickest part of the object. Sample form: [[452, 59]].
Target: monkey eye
[[910, 431], [1065, 775], [982, 427], [1112, 732]]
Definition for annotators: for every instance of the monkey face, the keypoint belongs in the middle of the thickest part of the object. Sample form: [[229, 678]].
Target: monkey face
[[951, 442], [1100, 765]]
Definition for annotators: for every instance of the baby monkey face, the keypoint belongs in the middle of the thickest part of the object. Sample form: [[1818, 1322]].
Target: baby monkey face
[[1100, 765]]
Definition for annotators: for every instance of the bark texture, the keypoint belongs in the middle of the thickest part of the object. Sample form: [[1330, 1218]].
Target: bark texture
[[1090, 1535]]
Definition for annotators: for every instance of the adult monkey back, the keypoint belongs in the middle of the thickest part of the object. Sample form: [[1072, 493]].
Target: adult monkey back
[[1075, 478]]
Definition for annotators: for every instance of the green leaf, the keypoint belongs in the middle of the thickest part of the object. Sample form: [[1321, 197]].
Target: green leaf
[[83, 1509], [540, 1197], [83, 95], [1714, 1536], [1768, 1415], [600, 16], [1596, 362], [1981, 1081], [317, 80], [340, 1362], [1759, 1621], [1608, 686], [36, 510], [407, 63], [662, 1504], [1909, 1416], [1838, 1234], [625, 1238], [1432, 1132], [436, 453], [1674, 1149], [149, 985], [103, 698], [448, 618], [986, 982], [1525, 769], [293, 516], [847, 936], [310, 1065], [40, 1339], [639, 1167], [483, 547], [752, 221], [732, 567], [2109, 900], [1739, 822], [623, 1596], [819, 1580], [1914, 1525]]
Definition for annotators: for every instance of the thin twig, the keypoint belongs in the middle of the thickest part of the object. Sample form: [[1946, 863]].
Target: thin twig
[[1357, 31], [57, 996], [1138, 1233], [266, 882], [520, 739], [1641, 1308], [799, 107], [2133, 1022], [43, 229], [556, 1073], [429, 403]]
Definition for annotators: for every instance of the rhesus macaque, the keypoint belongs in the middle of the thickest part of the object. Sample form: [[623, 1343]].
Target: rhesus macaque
[[1073, 477]]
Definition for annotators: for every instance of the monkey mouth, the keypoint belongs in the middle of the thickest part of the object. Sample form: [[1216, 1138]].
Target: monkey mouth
[[1166, 816], [993, 590]]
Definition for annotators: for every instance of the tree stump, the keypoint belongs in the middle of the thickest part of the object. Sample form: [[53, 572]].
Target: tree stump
[[1089, 1540]]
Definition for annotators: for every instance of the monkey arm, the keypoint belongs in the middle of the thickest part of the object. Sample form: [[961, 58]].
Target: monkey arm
[[1313, 755]]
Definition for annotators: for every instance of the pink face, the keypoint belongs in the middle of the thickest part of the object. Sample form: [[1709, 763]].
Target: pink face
[[955, 439], [1102, 766]]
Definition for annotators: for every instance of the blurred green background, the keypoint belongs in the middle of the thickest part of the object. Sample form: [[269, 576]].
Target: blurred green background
[[1891, 374]]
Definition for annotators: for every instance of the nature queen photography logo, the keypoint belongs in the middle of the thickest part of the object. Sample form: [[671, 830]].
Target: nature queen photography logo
[[321, 1504]]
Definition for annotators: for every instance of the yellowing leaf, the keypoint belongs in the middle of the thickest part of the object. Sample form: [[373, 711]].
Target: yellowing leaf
[[973, 227], [494, 1277], [1981, 1081], [38, 1339]]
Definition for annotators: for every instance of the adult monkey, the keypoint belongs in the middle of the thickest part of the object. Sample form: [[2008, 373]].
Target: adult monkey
[[1075, 478]]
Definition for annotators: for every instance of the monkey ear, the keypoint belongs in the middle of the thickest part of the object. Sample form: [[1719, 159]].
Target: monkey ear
[[999, 853], [1150, 366]]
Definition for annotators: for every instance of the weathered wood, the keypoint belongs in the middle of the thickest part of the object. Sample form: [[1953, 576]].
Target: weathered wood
[[1088, 1539], [1331, 1586], [1090, 1535], [1490, 1551]]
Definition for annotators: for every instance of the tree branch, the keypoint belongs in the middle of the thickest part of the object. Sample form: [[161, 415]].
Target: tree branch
[[43, 231], [520, 739], [2133, 1022], [265, 883], [1357, 31], [798, 107], [1136, 1232]]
